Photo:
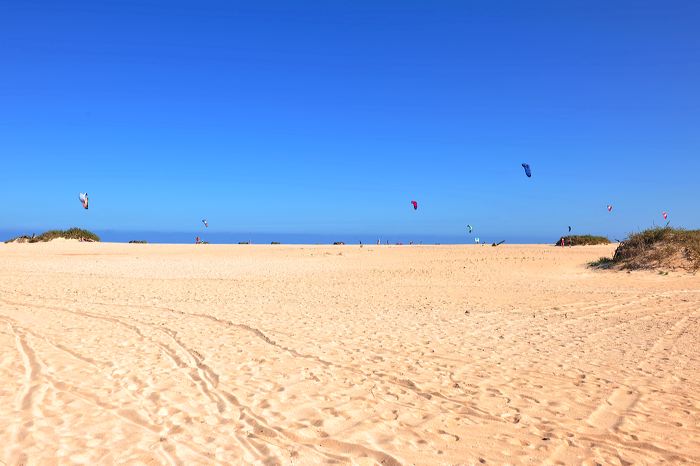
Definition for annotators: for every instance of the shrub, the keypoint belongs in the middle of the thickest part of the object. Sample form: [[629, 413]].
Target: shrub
[[72, 233], [582, 240], [657, 248]]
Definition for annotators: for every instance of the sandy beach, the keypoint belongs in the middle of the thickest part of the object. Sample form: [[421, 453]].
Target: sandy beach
[[184, 354]]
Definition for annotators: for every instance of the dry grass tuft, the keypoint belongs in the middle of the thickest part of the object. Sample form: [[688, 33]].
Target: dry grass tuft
[[655, 248]]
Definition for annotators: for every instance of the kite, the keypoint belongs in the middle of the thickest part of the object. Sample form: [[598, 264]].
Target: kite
[[206, 224], [84, 200], [569, 228], [609, 208], [415, 205], [470, 228], [527, 170], [665, 215]]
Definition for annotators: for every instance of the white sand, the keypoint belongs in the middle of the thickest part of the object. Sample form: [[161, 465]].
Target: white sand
[[426, 355]]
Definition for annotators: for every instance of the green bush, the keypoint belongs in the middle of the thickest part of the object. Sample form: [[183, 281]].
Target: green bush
[[603, 263], [661, 247], [582, 240], [20, 239], [71, 233], [658, 246]]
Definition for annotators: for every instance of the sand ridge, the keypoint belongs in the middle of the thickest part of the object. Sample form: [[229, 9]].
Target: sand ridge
[[168, 354]]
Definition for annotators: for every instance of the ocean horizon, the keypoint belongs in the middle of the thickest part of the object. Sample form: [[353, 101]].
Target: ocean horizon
[[187, 237]]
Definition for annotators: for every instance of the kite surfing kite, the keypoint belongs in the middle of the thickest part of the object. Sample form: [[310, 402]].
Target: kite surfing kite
[[665, 215], [206, 224], [527, 170], [415, 205], [84, 200], [609, 208], [470, 228], [476, 240], [569, 228]]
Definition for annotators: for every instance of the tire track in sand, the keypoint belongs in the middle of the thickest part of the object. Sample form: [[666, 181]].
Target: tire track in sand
[[193, 373], [408, 385], [259, 428], [25, 398], [609, 414], [35, 378], [605, 419]]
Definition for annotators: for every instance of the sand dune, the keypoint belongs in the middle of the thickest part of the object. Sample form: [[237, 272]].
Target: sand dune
[[158, 354]]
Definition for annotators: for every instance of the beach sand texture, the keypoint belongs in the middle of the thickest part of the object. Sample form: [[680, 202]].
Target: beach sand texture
[[157, 354]]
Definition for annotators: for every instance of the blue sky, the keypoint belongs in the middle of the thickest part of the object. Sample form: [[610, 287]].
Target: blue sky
[[330, 117]]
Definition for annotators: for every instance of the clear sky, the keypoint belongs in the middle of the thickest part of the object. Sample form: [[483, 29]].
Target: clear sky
[[331, 116]]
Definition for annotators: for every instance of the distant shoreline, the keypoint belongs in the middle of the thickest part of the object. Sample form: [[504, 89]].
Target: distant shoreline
[[319, 245], [214, 237]]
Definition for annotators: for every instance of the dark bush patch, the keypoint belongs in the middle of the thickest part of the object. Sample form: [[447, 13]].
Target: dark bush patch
[[582, 240], [668, 248], [72, 233]]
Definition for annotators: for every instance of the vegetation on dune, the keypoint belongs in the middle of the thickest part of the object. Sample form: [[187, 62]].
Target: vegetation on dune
[[671, 248], [138, 241], [582, 240], [660, 247], [19, 239], [603, 263], [71, 233]]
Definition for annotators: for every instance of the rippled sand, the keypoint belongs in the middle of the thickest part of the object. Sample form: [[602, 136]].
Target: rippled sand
[[113, 353]]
